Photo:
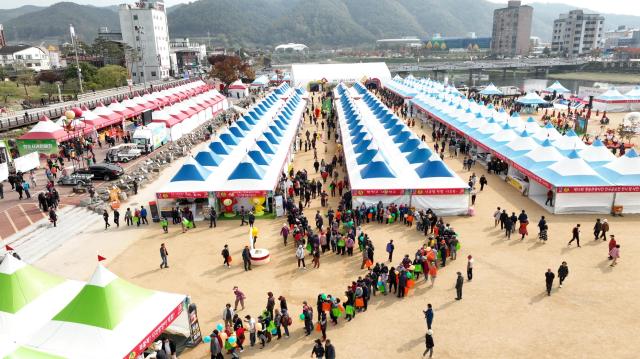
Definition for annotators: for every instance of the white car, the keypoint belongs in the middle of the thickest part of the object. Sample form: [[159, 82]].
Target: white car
[[123, 153]]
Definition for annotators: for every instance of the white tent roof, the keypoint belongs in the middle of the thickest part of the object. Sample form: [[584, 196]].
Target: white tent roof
[[568, 142], [108, 318], [611, 95], [557, 87], [633, 94], [597, 154], [303, 74]]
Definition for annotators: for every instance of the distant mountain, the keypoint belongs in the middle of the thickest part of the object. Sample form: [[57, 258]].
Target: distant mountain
[[319, 23], [350, 22], [53, 22], [8, 14]]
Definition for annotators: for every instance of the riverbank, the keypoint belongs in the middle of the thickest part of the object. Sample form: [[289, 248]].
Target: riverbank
[[597, 76]]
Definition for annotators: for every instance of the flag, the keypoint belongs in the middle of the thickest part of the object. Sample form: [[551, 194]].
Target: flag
[[101, 258], [8, 248], [72, 31]]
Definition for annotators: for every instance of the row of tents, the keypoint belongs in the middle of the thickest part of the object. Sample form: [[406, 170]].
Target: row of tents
[[247, 158], [387, 162], [45, 316], [583, 178], [47, 134]]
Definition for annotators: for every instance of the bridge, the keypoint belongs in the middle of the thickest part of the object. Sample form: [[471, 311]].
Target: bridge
[[90, 99], [537, 64]]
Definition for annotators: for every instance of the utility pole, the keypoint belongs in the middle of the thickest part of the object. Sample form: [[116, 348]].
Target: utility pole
[[74, 42]]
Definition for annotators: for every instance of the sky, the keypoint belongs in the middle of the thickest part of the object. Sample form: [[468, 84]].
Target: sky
[[626, 7]]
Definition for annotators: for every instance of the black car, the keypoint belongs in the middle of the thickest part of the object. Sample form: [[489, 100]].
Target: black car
[[104, 171]]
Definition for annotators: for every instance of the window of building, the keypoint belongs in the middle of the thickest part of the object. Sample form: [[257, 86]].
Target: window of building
[[28, 64], [153, 73], [135, 17]]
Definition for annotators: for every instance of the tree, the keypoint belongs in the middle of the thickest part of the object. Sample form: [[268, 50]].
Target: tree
[[628, 131], [111, 76], [49, 88], [88, 72], [110, 51], [8, 89], [229, 68], [48, 76], [25, 78]]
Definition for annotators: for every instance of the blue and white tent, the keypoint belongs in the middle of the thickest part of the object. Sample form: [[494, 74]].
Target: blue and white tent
[[491, 90], [597, 154], [558, 88], [531, 99]]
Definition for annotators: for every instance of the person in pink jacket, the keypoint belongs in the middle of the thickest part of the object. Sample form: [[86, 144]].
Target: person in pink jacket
[[615, 254]]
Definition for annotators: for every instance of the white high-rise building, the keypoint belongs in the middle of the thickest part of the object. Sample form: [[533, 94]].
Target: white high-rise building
[[577, 33], [144, 29]]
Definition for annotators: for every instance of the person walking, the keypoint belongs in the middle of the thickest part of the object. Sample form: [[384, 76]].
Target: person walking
[[271, 303], [428, 341], [318, 350], [508, 227], [496, 218], [25, 187], [53, 216], [246, 258], [483, 182], [474, 194], [459, 283], [240, 297], [163, 255], [252, 329], [433, 272], [300, 256], [469, 267], [116, 217], [605, 229], [284, 232], [227, 315], [143, 215], [597, 228], [213, 215], [428, 315], [549, 277], [390, 248], [614, 254], [128, 218], [575, 235], [329, 350], [612, 244], [105, 216], [542, 229], [226, 255], [563, 272]]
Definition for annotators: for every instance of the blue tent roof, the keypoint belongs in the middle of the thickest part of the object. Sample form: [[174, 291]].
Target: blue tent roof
[[191, 171], [228, 139], [356, 130], [358, 137], [235, 130], [362, 146], [409, 145], [219, 148], [243, 125], [419, 155], [377, 169], [272, 139], [265, 147], [402, 137], [275, 130], [258, 157], [208, 158], [391, 123], [431, 169], [395, 130], [366, 156], [280, 125], [247, 170]]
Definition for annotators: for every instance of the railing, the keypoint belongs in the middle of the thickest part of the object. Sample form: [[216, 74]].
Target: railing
[[91, 100]]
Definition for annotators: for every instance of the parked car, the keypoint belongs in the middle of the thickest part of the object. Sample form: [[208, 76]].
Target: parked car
[[75, 179], [104, 171], [123, 153]]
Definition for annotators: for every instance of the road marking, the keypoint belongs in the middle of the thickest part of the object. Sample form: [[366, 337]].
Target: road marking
[[25, 214], [15, 229]]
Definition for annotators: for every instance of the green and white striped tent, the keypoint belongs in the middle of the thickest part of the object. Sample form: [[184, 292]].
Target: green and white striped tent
[[29, 298], [108, 318]]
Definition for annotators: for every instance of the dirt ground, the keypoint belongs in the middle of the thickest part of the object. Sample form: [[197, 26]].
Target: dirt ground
[[505, 312]]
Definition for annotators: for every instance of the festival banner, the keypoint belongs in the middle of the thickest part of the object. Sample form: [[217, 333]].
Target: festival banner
[[376, 192], [232, 194], [173, 195], [598, 189], [159, 329], [437, 191]]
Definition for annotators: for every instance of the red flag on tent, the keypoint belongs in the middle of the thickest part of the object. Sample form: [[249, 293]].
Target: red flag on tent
[[8, 247], [101, 258]]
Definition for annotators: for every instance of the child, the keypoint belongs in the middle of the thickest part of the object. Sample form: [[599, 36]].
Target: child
[[165, 224]]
